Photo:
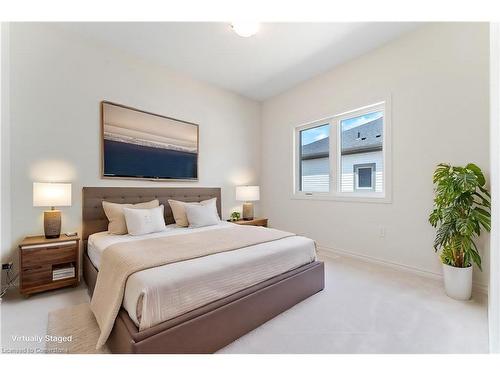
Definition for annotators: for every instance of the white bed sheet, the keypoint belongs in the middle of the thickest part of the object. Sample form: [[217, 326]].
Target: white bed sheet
[[98, 242], [158, 294]]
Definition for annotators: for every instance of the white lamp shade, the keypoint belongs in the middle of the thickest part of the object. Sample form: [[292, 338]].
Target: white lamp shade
[[247, 193], [51, 194]]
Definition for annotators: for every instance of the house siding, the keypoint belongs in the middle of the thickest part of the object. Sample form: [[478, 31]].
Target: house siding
[[316, 176], [348, 162]]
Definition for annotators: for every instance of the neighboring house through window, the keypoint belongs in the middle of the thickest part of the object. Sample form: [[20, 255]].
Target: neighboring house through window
[[344, 156], [362, 144], [314, 159]]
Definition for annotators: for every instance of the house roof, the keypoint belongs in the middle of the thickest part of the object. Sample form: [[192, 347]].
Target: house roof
[[315, 150], [363, 138]]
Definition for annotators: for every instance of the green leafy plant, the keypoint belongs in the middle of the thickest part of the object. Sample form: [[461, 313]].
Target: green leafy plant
[[235, 216], [461, 211]]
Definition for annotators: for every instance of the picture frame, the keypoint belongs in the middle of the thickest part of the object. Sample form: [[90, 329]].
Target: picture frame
[[141, 145]]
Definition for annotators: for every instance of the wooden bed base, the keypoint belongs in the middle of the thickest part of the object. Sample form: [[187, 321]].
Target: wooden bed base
[[213, 326], [210, 327]]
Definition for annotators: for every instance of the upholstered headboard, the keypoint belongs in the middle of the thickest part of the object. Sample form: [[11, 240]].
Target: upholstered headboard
[[95, 220]]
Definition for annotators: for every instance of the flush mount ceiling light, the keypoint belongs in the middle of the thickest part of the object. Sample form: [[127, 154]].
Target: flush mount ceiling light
[[245, 28]]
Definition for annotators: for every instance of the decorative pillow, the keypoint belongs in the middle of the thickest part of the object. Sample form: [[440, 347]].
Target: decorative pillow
[[144, 220], [179, 209], [201, 215], [114, 213]]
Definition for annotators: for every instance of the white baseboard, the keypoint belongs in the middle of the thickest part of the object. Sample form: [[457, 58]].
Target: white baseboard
[[335, 253]]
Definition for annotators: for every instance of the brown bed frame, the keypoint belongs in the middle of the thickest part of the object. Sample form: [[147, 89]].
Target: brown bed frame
[[210, 327]]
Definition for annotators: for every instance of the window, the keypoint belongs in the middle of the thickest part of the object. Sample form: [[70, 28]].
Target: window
[[345, 156], [364, 176], [315, 159], [362, 144]]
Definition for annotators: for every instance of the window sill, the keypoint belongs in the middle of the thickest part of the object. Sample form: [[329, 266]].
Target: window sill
[[342, 198]]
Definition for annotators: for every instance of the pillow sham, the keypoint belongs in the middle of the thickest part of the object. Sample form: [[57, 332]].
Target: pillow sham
[[179, 209], [144, 220], [116, 218], [201, 215]]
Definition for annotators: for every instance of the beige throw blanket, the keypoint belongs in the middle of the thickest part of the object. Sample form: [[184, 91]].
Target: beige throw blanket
[[121, 260]]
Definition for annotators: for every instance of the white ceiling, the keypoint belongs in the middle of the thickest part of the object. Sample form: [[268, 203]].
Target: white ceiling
[[278, 57]]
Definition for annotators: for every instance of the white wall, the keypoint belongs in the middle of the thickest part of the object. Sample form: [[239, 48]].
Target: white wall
[[5, 203], [57, 82], [437, 77], [494, 290]]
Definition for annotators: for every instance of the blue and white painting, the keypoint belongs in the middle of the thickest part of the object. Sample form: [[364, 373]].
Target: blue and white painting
[[137, 144]]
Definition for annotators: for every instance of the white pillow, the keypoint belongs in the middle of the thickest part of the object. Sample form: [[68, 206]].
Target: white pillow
[[143, 221], [179, 210], [114, 213], [210, 203], [201, 215]]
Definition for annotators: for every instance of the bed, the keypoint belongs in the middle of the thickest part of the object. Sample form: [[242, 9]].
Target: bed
[[179, 308]]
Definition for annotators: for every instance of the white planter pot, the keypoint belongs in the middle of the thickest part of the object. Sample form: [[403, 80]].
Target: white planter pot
[[458, 282]]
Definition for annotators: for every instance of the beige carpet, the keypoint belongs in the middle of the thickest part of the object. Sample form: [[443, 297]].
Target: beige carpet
[[77, 325], [365, 308]]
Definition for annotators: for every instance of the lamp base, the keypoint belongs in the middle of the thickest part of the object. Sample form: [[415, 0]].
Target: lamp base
[[52, 223], [247, 211]]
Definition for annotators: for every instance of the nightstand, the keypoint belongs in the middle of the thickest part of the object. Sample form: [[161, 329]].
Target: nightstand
[[262, 222], [48, 263]]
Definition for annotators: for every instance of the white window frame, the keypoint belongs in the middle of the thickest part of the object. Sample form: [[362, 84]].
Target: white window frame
[[297, 165], [369, 196]]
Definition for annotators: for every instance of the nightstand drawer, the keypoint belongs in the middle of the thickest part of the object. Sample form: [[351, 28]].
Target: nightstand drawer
[[36, 275], [49, 255], [40, 257]]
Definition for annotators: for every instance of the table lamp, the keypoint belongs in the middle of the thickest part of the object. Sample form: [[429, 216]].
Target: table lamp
[[247, 194], [48, 194]]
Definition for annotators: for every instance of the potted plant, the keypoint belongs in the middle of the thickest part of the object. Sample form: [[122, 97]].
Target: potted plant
[[235, 216], [461, 211]]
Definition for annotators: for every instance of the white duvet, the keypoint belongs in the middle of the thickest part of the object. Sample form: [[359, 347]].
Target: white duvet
[[158, 294]]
